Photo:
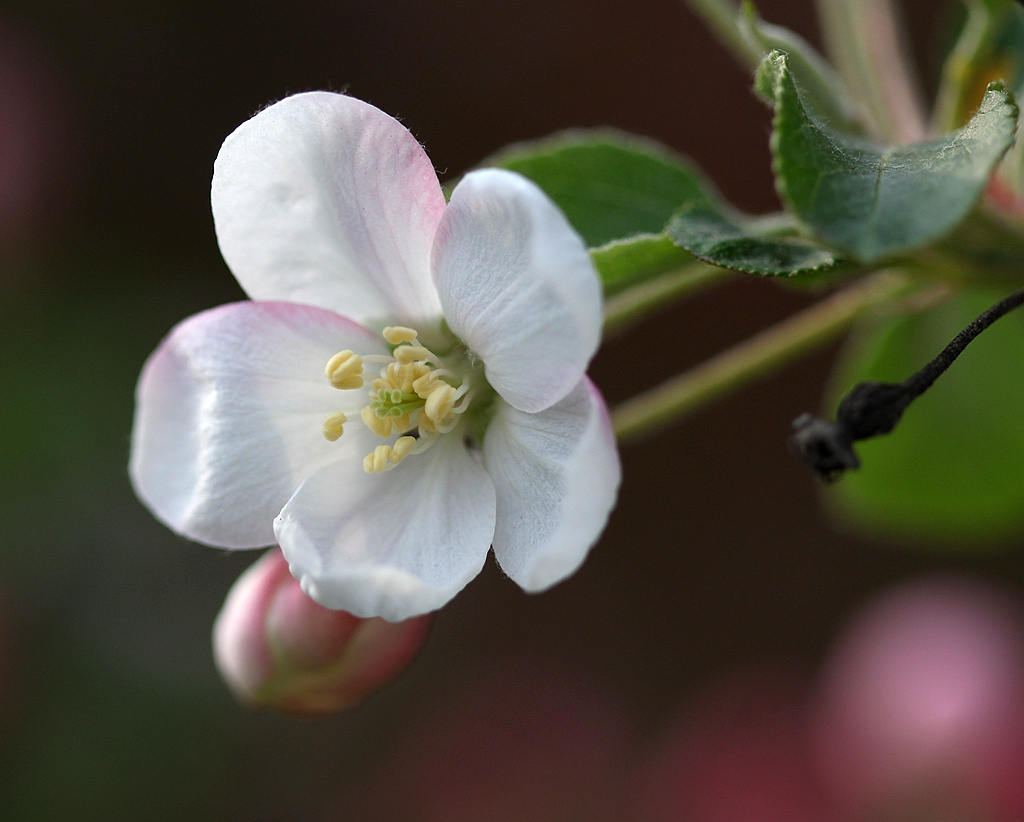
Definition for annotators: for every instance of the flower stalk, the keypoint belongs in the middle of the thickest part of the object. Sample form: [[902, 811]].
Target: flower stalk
[[756, 357], [634, 304]]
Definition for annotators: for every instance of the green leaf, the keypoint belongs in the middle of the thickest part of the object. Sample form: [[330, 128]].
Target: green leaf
[[622, 193], [872, 202], [611, 185], [624, 263], [710, 233], [952, 472], [824, 91]]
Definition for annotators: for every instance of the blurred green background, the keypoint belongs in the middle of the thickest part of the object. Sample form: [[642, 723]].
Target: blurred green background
[[111, 113]]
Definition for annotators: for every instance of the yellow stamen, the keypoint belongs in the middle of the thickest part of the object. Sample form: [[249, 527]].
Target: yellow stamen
[[401, 376], [413, 391], [334, 426], [411, 353], [345, 370], [385, 457], [440, 403], [402, 447], [427, 384], [380, 427], [376, 462], [396, 334]]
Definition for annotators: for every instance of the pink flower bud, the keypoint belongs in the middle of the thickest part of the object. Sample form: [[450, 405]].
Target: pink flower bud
[[277, 648], [920, 710]]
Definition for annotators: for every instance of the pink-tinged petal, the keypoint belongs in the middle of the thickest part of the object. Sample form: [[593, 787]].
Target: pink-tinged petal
[[325, 200], [229, 417], [516, 283], [392, 545], [556, 474]]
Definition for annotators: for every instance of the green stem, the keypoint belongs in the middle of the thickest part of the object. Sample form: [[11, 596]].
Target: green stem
[[722, 17], [865, 43], [631, 305], [756, 357]]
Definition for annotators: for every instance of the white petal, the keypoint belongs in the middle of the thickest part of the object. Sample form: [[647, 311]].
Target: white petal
[[516, 283], [229, 415], [392, 545], [556, 474], [325, 200]]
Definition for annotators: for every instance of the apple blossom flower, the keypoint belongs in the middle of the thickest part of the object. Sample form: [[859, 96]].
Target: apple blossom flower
[[276, 648], [261, 422]]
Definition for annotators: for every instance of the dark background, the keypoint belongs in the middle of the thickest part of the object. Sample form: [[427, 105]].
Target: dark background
[[717, 557]]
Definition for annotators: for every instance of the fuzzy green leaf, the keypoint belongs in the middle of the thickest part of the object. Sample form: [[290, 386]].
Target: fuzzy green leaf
[[872, 202], [611, 185], [824, 90], [715, 236]]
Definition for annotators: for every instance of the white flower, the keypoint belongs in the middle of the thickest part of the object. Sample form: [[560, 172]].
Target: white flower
[[480, 315]]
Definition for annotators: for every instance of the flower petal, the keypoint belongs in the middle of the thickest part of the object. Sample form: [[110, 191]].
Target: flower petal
[[392, 545], [325, 200], [556, 474], [229, 415], [517, 284]]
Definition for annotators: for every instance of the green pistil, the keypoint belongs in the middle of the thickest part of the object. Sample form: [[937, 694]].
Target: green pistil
[[395, 403]]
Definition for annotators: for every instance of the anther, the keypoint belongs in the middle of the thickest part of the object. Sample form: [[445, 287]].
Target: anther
[[401, 448], [385, 457], [334, 426], [424, 385], [377, 462], [396, 334], [380, 427], [345, 370], [411, 353], [439, 403]]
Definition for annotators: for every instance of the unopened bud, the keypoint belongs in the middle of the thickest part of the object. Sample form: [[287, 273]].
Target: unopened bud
[[276, 648]]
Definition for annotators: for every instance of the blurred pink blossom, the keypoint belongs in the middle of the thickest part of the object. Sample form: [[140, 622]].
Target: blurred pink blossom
[[277, 648], [737, 754], [920, 709]]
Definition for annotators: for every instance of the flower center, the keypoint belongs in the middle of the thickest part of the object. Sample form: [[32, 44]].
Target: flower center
[[415, 396]]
